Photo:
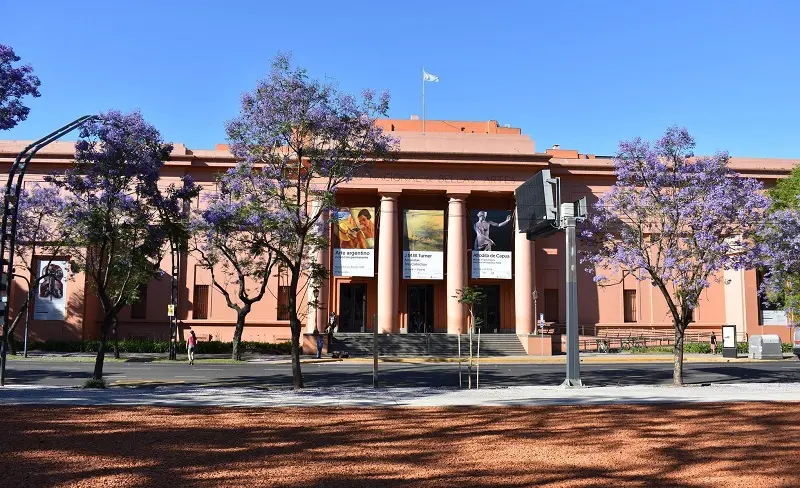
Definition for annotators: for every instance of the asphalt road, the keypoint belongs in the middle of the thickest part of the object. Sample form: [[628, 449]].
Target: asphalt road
[[395, 374]]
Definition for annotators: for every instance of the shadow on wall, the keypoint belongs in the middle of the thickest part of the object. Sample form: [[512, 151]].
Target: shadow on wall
[[70, 329], [658, 445]]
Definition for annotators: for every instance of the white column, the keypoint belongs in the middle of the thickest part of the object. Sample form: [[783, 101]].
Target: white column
[[456, 262], [388, 275], [316, 315], [523, 283], [735, 301]]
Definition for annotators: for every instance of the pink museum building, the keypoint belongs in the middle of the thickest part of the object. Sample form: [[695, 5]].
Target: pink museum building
[[407, 237]]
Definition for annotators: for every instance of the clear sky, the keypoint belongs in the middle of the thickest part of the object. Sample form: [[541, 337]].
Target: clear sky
[[580, 74]]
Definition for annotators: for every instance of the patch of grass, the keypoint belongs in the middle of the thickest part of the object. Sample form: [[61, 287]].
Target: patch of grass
[[95, 383]]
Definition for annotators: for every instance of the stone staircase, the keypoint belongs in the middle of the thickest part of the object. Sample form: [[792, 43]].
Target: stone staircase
[[436, 345]]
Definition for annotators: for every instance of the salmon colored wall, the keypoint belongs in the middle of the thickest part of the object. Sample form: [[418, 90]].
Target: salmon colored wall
[[415, 125], [486, 162]]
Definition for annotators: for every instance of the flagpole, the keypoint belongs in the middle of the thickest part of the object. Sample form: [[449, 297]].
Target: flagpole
[[423, 99]]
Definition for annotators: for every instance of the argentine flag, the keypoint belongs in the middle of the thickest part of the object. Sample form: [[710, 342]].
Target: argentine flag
[[429, 77]]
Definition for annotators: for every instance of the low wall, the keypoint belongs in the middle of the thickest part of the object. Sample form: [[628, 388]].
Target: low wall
[[309, 344], [541, 345]]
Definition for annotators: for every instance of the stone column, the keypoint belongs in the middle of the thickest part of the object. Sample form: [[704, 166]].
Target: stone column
[[523, 282], [456, 262], [388, 274], [735, 302], [317, 317]]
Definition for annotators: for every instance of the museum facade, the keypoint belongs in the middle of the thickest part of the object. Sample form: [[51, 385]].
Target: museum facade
[[405, 239]]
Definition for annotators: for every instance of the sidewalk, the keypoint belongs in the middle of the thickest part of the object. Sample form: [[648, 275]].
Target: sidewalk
[[586, 358], [191, 396], [148, 357]]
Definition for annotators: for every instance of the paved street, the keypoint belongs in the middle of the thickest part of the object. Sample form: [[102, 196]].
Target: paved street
[[354, 374]]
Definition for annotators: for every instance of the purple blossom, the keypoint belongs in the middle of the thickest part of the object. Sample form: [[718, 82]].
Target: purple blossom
[[15, 83], [674, 219]]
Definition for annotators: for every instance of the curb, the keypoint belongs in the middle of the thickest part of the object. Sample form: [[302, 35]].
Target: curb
[[289, 361], [562, 360]]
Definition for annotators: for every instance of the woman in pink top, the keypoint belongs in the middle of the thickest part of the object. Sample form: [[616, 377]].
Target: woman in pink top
[[191, 343]]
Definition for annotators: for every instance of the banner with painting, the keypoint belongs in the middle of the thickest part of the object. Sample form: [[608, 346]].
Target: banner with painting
[[423, 244], [354, 242], [491, 235], [51, 294]]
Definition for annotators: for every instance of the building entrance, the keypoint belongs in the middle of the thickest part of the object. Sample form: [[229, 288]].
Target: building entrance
[[352, 307], [488, 310], [420, 308]]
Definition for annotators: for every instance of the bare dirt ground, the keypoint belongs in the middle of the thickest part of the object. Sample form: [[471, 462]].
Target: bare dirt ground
[[731, 445]]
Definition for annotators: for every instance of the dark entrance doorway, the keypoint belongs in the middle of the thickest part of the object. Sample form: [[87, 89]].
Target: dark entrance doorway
[[352, 307], [420, 308], [488, 310]]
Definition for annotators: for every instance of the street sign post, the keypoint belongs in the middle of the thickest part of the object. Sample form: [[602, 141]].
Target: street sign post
[[540, 213]]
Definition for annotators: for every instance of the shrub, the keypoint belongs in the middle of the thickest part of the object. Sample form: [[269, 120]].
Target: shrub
[[93, 383]]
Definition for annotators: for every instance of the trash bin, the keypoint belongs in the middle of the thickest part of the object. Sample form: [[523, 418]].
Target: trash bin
[[767, 346]]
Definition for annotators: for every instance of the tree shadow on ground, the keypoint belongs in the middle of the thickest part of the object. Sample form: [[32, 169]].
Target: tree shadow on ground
[[746, 444]]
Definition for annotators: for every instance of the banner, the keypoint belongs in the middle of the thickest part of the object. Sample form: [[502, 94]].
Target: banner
[[774, 317], [491, 243], [354, 242], [423, 244], [51, 294]]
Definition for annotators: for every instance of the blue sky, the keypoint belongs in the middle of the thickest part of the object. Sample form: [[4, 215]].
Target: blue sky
[[580, 74]]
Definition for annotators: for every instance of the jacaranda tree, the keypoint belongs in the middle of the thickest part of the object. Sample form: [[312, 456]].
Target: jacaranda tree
[[40, 239], [309, 138], [780, 246], [676, 221], [118, 218], [231, 238], [15, 83]]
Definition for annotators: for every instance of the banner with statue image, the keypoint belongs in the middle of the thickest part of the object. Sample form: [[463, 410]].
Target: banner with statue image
[[51, 294], [354, 241], [423, 244], [491, 238]]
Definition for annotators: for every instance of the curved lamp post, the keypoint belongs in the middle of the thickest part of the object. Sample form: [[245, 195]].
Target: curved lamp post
[[8, 228]]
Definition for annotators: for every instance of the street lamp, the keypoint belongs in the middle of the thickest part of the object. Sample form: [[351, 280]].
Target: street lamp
[[316, 306], [8, 222]]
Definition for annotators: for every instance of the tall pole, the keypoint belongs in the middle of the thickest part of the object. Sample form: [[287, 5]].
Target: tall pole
[[423, 99], [573, 359], [8, 224], [27, 312], [375, 350]]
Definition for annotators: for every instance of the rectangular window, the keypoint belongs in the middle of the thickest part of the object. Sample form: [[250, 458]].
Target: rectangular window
[[139, 307], [200, 303], [551, 305], [283, 302], [629, 303]]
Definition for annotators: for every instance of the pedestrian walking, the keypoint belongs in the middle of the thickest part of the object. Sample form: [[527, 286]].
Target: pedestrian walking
[[191, 344], [320, 342], [713, 343]]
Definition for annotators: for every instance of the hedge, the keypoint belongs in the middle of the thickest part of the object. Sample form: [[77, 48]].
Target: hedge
[[140, 346], [703, 348]]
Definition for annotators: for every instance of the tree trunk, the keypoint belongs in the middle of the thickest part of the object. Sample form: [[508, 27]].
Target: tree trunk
[[101, 351], [13, 327], [294, 323], [469, 364], [677, 366], [3, 353], [236, 355], [116, 337]]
